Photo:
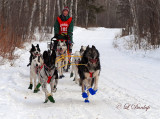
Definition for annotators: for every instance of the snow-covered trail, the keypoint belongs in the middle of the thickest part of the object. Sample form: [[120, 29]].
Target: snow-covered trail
[[124, 79]]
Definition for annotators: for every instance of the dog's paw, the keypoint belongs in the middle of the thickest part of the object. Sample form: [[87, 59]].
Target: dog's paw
[[60, 77], [85, 88], [84, 95], [86, 101], [92, 92], [36, 90], [30, 86], [66, 70], [74, 79], [71, 75], [51, 99], [46, 101], [38, 86], [54, 90]]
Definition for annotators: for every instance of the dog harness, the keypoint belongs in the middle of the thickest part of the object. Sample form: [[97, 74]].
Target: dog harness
[[91, 74], [49, 76], [64, 25]]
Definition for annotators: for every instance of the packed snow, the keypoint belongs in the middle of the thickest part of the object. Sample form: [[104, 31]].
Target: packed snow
[[129, 85]]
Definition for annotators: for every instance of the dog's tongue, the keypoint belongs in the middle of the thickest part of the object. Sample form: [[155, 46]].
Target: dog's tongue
[[93, 60]]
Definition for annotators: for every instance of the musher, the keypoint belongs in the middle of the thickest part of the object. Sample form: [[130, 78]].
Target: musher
[[63, 28]]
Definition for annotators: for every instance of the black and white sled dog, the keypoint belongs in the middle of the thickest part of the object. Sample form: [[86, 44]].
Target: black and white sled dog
[[89, 72], [48, 74], [76, 59], [62, 57], [36, 62]]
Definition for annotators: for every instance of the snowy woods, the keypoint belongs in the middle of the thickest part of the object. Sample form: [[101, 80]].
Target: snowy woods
[[141, 18], [19, 18]]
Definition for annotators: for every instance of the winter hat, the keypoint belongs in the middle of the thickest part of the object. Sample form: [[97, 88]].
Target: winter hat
[[66, 8]]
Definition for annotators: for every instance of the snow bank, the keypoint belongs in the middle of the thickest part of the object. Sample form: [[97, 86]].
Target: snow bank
[[127, 45]]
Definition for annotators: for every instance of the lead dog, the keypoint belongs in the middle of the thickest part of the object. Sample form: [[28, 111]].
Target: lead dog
[[35, 61], [89, 72], [48, 74]]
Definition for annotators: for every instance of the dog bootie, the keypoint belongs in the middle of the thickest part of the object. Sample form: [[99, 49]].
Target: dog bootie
[[51, 99], [86, 101], [84, 95], [37, 88], [60, 77], [92, 92], [74, 79], [30, 86], [63, 76], [71, 75], [46, 101]]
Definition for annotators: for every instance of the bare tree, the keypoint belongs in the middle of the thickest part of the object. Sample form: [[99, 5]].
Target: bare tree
[[71, 5], [46, 12], [76, 3], [58, 6], [32, 14], [40, 13], [54, 9]]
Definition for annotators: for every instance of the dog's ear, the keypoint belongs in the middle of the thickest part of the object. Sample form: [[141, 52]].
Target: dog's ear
[[32, 46], [38, 48], [53, 53], [45, 54], [87, 47], [49, 52], [93, 47]]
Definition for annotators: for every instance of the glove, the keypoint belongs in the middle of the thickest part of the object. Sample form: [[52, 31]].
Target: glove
[[66, 37]]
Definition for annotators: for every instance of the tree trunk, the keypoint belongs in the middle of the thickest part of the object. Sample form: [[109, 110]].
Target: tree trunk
[[31, 18], [46, 12], [54, 8], [87, 17], [62, 4], [59, 9], [71, 5], [135, 22], [40, 14], [76, 3], [65, 3], [21, 8]]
